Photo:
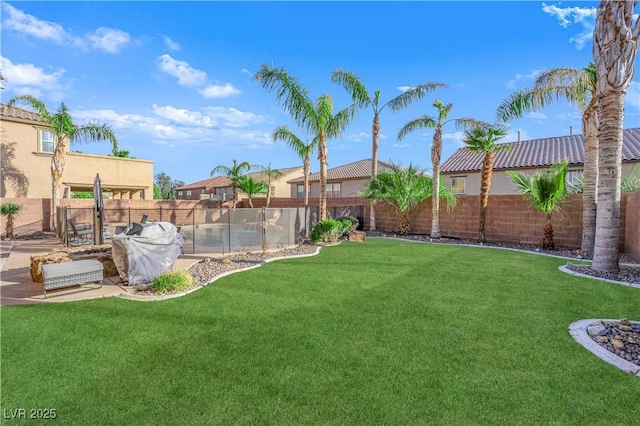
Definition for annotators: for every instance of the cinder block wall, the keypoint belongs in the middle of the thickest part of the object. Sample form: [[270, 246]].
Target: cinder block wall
[[631, 223]]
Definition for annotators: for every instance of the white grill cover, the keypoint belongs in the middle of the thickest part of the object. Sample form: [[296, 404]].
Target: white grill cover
[[141, 258]]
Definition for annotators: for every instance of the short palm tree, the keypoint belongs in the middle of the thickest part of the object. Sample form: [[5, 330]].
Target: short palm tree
[[304, 151], [316, 117], [484, 139], [10, 211], [234, 173], [403, 189], [427, 122], [545, 191], [577, 86], [272, 175], [251, 187], [61, 125], [363, 98]]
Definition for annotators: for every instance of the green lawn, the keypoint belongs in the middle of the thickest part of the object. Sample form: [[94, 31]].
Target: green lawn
[[382, 332]]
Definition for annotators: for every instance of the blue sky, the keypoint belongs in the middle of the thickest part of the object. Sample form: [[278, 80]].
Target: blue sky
[[175, 79]]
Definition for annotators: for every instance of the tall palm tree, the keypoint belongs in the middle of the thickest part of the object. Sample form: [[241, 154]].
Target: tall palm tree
[[9, 173], [234, 173], [483, 138], [61, 125], [577, 86], [304, 151], [615, 45], [315, 117], [272, 175], [363, 98], [544, 191], [251, 187], [427, 122], [404, 189]]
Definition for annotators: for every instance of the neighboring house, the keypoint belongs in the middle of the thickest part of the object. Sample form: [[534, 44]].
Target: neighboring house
[[27, 147], [461, 171], [342, 181], [219, 187], [215, 188]]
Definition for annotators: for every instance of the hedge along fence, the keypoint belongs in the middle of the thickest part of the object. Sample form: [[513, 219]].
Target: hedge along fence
[[510, 219]]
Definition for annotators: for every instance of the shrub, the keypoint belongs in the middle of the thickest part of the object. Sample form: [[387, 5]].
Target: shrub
[[353, 221], [10, 210], [329, 230], [173, 281]]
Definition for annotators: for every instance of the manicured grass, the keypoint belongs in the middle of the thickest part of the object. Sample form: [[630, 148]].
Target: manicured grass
[[382, 332]]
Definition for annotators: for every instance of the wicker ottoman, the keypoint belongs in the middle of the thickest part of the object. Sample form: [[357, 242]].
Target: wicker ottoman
[[69, 274]]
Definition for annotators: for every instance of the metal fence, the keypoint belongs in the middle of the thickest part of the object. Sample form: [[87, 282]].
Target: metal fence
[[219, 230]]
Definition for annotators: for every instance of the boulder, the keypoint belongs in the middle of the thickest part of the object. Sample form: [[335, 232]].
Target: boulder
[[102, 253], [358, 236]]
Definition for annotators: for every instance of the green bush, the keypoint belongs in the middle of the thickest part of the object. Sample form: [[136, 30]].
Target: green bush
[[172, 282], [329, 230], [353, 221]]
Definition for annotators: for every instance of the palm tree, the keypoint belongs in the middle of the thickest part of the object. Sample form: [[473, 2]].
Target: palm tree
[[483, 138], [615, 44], [251, 187], [272, 175], [10, 173], [427, 122], [62, 126], [363, 98], [315, 117], [404, 189], [234, 173], [629, 183], [10, 210], [577, 86], [304, 151], [544, 191]]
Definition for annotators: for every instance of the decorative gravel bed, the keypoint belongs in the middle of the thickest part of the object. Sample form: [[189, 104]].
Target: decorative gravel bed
[[208, 269], [621, 338], [627, 274]]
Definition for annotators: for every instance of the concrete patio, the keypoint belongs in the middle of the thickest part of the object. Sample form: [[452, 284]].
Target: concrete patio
[[17, 288]]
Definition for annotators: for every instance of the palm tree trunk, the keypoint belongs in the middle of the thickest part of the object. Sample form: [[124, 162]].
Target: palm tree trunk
[[250, 203], [57, 168], [10, 227], [590, 176], [268, 193], [403, 226], [605, 256], [436, 151], [322, 155], [547, 242], [375, 132], [485, 185], [306, 168], [615, 44]]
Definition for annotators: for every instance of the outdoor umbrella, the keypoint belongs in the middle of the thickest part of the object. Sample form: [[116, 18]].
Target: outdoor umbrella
[[98, 238]]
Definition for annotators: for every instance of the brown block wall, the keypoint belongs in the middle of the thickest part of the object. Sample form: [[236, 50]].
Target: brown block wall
[[631, 222]]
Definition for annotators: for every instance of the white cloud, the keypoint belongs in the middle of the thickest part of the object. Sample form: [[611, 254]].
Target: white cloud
[[401, 145], [19, 21], [383, 136], [186, 75], [456, 137], [585, 16], [219, 91], [632, 97], [247, 72], [20, 75], [520, 78], [358, 137], [108, 39], [233, 117], [182, 116], [405, 88], [170, 44], [537, 115]]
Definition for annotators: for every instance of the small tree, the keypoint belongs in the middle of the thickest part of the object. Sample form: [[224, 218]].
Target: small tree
[[10, 210], [544, 191], [234, 173], [272, 175], [251, 187], [303, 150], [404, 189], [167, 186]]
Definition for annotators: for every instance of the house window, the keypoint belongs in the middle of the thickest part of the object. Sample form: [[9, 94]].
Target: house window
[[457, 184], [188, 193], [179, 193], [273, 190], [202, 191], [333, 189], [300, 191], [47, 141]]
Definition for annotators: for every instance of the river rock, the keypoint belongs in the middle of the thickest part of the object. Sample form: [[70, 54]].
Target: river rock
[[618, 344], [597, 330]]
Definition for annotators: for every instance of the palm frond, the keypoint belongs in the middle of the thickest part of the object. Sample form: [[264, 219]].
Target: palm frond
[[92, 132], [631, 182], [424, 122], [484, 138], [544, 190], [340, 121], [353, 85], [34, 103], [413, 94]]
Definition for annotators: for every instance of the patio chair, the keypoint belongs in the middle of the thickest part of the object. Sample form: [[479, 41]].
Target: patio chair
[[83, 229]]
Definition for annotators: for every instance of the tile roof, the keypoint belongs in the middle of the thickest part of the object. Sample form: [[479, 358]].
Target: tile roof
[[261, 176], [214, 182], [356, 170], [19, 113], [538, 153]]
